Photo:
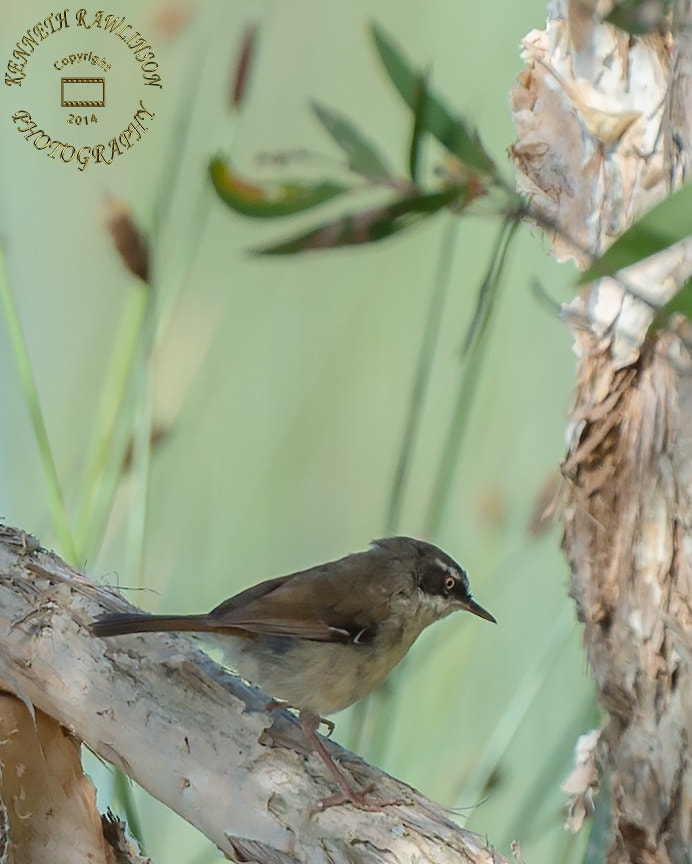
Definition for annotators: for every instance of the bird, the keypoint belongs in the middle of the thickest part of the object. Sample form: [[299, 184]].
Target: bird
[[321, 639]]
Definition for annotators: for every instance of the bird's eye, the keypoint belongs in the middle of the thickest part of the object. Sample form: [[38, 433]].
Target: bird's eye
[[450, 582]]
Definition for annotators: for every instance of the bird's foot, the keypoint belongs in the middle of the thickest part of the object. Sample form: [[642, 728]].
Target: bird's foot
[[347, 794], [328, 724], [276, 704], [358, 799]]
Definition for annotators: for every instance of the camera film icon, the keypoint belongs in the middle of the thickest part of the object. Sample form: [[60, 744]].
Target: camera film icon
[[83, 92]]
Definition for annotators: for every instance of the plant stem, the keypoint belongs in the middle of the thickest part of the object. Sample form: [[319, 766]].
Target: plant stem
[[21, 357]]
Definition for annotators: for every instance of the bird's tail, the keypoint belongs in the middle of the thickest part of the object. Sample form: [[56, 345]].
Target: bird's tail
[[121, 623]]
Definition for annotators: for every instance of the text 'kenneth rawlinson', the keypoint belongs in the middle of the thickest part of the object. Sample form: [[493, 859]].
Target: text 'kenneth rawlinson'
[[116, 25]]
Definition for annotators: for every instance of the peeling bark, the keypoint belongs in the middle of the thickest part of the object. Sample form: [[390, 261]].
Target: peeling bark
[[628, 524], [50, 805]]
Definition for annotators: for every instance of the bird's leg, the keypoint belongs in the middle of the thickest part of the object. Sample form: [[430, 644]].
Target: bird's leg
[[348, 795]]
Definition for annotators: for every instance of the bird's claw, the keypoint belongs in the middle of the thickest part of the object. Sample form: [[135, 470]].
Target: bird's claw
[[358, 799]]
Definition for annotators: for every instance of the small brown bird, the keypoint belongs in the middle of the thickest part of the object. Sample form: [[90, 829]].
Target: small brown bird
[[323, 638]]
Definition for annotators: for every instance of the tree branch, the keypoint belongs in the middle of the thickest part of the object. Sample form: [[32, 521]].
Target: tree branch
[[194, 736]]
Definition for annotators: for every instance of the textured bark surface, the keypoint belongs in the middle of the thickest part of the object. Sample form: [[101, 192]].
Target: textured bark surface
[[194, 736], [628, 533], [603, 123], [50, 807]]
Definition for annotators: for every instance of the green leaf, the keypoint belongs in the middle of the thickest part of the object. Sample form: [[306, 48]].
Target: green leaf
[[665, 224], [369, 226], [363, 156], [271, 200], [419, 102], [681, 302], [452, 132]]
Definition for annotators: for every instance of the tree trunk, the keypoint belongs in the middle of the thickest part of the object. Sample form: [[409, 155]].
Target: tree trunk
[[604, 133]]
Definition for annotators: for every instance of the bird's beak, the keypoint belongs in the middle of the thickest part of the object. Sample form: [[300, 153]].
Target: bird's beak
[[472, 606]]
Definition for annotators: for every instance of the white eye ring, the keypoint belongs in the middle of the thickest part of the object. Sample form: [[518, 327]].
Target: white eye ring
[[450, 583]]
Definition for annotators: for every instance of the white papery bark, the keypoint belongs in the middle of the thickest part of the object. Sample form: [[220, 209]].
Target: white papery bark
[[194, 736], [604, 133]]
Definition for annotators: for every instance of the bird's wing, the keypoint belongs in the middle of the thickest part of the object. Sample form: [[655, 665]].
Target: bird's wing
[[298, 605]]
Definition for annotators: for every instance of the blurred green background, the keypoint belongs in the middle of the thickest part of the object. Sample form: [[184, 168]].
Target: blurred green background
[[283, 386]]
